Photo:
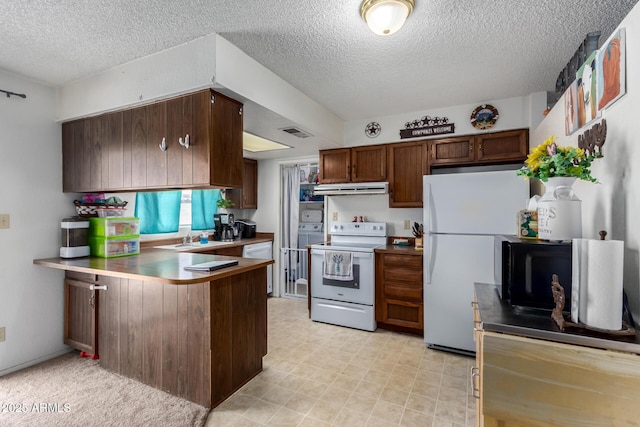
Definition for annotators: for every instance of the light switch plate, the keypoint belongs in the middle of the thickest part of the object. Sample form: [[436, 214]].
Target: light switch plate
[[4, 220], [407, 224], [335, 216], [3, 334]]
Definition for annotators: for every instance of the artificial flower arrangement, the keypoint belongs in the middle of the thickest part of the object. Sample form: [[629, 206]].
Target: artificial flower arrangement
[[549, 160]]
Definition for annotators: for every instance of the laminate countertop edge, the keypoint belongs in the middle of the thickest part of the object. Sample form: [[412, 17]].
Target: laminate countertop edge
[[497, 315], [156, 265]]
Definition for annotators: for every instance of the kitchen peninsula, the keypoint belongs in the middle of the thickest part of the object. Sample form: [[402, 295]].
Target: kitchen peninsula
[[196, 335]]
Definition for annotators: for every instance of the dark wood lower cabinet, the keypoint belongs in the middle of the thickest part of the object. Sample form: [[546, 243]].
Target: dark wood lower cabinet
[[200, 341], [399, 291], [80, 313]]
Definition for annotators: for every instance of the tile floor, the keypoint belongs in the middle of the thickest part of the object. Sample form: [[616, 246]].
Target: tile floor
[[317, 374]]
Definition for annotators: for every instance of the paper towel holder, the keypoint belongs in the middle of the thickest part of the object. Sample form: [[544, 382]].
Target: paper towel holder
[[558, 317]]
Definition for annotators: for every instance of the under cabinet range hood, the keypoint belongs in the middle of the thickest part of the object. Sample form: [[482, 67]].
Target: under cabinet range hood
[[351, 188]]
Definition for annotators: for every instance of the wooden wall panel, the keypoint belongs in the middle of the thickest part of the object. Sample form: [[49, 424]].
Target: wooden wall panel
[[179, 338], [221, 343], [182, 328], [152, 327], [195, 341], [109, 321], [134, 332], [170, 341]]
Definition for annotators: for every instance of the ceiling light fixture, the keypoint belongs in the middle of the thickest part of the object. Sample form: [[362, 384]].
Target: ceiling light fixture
[[385, 17]]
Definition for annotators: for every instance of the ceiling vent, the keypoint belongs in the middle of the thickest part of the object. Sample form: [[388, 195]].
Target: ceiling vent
[[296, 132]]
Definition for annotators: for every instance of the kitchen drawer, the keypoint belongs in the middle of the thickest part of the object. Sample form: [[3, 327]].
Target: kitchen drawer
[[403, 290], [403, 261], [402, 274]]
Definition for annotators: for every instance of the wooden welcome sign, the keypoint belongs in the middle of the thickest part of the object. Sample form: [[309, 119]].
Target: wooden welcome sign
[[427, 126]]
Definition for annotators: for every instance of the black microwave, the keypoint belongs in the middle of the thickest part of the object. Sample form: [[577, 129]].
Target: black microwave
[[524, 270]]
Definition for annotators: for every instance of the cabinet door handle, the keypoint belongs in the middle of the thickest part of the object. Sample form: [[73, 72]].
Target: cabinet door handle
[[98, 288], [163, 144], [475, 374], [92, 301], [480, 147], [354, 170], [471, 147], [185, 142]]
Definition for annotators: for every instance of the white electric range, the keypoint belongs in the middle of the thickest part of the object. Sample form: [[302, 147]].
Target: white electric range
[[338, 298]]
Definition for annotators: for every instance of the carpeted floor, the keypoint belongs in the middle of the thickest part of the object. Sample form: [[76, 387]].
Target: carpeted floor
[[72, 391]]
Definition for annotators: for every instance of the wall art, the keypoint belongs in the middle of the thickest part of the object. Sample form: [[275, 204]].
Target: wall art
[[611, 70], [427, 126], [571, 109], [373, 129], [586, 79], [484, 117]]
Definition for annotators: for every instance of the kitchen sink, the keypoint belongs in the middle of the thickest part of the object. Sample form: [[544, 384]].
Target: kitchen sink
[[192, 247]]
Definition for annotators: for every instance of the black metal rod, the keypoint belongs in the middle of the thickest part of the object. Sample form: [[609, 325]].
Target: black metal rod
[[21, 95]]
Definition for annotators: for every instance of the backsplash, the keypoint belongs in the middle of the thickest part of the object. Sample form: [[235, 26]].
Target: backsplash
[[373, 208]]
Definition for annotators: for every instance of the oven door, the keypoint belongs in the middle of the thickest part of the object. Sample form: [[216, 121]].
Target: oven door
[[360, 290]]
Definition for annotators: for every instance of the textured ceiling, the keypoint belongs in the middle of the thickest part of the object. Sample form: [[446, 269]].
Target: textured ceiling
[[450, 52]]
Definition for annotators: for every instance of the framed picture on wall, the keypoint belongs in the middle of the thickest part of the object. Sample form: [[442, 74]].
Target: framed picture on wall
[[586, 79], [571, 109], [611, 70]]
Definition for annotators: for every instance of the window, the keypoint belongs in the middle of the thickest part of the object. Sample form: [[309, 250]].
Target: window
[[185, 209]]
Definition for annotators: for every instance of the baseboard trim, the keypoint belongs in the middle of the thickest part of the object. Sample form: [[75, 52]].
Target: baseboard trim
[[29, 363]]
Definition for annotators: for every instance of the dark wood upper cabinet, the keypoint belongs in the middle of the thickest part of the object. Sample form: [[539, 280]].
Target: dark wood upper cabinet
[[503, 146], [225, 136], [179, 135], [456, 150], [358, 164], [369, 163], [335, 166], [497, 147], [407, 164], [247, 197], [201, 134]]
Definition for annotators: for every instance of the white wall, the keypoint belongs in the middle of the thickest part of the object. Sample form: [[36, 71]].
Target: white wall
[[31, 297], [514, 113], [614, 203], [211, 61]]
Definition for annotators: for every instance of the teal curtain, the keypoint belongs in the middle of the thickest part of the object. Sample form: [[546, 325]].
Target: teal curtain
[[159, 212], [203, 206]]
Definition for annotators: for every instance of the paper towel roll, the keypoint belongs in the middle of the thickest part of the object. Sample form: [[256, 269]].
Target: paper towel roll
[[596, 283]]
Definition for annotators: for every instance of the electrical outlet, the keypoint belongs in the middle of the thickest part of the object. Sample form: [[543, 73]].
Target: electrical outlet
[[4, 220], [3, 334], [335, 216], [407, 224]]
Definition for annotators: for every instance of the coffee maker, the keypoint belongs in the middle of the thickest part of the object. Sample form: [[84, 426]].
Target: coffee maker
[[224, 227]]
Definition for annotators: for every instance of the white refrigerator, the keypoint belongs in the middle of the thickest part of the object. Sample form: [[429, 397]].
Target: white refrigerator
[[462, 214]]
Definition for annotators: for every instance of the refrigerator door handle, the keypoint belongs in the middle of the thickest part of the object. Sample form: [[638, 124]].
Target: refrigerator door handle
[[429, 220], [428, 212], [429, 257]]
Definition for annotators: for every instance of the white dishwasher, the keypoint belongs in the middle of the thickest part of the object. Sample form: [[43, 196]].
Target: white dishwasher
[[263, 251]]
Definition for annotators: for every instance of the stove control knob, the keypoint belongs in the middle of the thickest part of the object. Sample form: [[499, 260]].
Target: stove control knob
[[374, 227]]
